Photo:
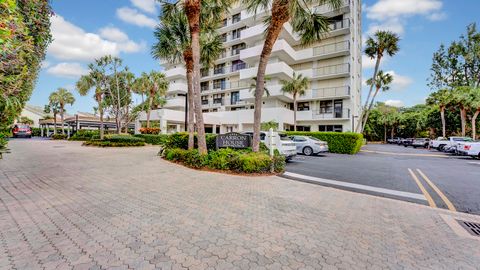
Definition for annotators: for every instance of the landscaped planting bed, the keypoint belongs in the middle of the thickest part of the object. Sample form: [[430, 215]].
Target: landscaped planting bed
[[116, 141], [338, 142]]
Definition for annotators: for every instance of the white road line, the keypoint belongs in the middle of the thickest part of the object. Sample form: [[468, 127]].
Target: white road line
[[357, 186], [476, 163]]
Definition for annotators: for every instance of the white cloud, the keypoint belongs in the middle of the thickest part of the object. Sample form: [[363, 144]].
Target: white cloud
[[145, 5], [113, 34], [45, 64], [391, 14], [67, 70], [71, 42], [132, 16], [400, 82], [395, 103]]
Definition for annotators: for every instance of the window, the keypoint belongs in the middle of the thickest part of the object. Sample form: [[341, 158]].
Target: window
[[238, 65], [299, 139], [326, 106], [204, 72], [204, 86], [338, 108], [303, 106], [234, 98], [219, 84], [224, 22], [337, 23], [219, 69], [330, 128], [237, 48], [204, 100], [236, 33], [303, 128], [236, 18], [223, 53], [224, 37], [218, 99]]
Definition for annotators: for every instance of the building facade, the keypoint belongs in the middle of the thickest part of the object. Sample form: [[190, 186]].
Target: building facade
[[333, 66]]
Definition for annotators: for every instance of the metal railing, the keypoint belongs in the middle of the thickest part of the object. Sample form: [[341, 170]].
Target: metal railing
[[238, 66], [331, 92], [331, 48], [327, 8], [332, 70], [337, 25], [334, 114]]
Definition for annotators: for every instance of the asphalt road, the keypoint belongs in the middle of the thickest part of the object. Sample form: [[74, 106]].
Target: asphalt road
[[397, 172]]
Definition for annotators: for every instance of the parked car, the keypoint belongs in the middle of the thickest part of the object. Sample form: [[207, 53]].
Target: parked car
[[22, 130], [393, 140], [448, 145], [406, 142], [471, 149], [420, 142], [309, 145], [283, 144]]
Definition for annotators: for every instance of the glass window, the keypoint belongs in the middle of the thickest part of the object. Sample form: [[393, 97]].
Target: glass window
[[224, 37], [219, 69], [326, 106], [204, 72], [303, 106], [237, 48], [204, 100], [218, 99], [330, 128], [236, 18], [204, 86], [236, 33], [219, 84], [224, 22], [238, 65], [234, 98]]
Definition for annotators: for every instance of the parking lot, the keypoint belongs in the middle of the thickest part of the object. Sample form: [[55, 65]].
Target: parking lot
[[417, 175]]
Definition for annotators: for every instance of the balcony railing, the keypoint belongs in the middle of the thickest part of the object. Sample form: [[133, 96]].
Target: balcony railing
[[331, 48], [334, 114], [219, 71], [332, 70], [238, 66], [337, 25], [331, 92], [325, 8], [228, 85]]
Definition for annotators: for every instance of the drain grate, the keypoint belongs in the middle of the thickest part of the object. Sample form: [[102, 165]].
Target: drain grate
[[472, 227]]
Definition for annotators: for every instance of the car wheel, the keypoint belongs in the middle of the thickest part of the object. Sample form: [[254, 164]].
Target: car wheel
[[307, 151], [440, 147]]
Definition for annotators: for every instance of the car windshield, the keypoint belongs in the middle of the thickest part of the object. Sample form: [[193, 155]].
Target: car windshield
[[465, 139], [313, 138]]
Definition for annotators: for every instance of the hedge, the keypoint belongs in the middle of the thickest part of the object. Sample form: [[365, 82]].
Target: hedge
[[84, 135], [341, 143], [241, 161], [121, 140], [145, 130], [59, 136], [180, 140], [153, 139], [36, 132]]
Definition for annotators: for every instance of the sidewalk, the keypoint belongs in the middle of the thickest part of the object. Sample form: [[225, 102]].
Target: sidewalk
[[64, 206]]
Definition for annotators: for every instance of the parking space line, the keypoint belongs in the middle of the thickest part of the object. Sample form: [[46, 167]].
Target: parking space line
[[439, 192], [404, 154], [356, 186], [431, 202]]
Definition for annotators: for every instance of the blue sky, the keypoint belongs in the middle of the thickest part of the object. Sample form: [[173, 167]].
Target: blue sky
[[125, 28]]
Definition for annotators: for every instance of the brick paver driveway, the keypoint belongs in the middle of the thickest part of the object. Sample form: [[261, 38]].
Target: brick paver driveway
[[64, 206]]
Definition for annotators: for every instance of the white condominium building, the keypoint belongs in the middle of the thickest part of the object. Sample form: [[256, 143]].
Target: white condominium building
[[333, 66]]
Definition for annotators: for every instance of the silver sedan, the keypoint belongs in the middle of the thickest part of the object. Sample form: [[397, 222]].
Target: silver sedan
[[309, 145]]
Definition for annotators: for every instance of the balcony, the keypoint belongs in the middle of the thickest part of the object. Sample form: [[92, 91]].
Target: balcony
[[326, 10], [326, 93], [177, 87], [176, 73], [238, 66], [280, 70], [332, 48], [330, 72], [175, 103], [218, 71], [226, 86], [318, 115]]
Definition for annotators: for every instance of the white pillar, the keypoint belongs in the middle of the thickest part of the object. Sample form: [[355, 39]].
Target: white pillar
[[214, 129], [41, 130], [240, 127], [137, 126], [280, 126], [163, 125], [179, 128]]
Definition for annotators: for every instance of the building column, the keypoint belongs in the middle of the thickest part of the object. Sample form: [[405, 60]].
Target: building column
[[163, 126], [214, 129], [41, 130], [179, 128], [240, 127], [138, 125], [280, 126]]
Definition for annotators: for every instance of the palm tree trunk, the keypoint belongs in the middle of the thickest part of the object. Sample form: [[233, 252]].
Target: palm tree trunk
[[392, 132], [187, 56], [102, 128], [362, 115], [54, 123], [294, 113], [192, 9], [367, 114], [149, 109], [463, 118], [280, 15], [61, 116], [444, 126], [474, 124], [384, 133]]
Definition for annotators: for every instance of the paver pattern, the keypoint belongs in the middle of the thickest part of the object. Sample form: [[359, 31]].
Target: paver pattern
[[64, 206]]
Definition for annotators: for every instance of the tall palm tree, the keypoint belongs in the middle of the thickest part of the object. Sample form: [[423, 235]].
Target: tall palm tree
[[95, 79], [156, 86], [442, 98], [305, 21], [174, 44], [474, 101], [382, 42], [53, 108], [296, 87], [460, 97], [63, 97], [381, 82]]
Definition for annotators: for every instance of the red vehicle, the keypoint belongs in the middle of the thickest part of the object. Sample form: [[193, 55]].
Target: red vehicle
[[22, 130]]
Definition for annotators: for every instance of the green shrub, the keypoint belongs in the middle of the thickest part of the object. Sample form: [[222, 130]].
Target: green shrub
[[123, 138], [221, 159], [180, 140], [59, 136], [84, 135], [153, 139], [341, 143], [36, 132], [104, 143], [252, 163], [146, 130]]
